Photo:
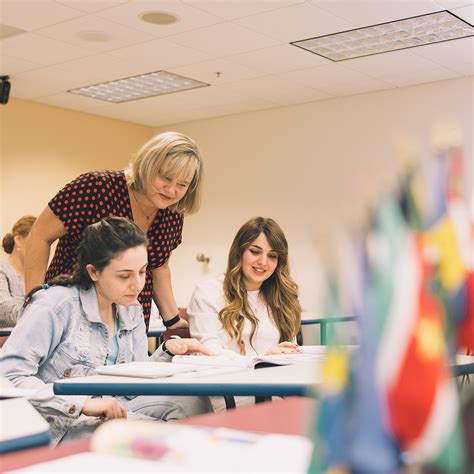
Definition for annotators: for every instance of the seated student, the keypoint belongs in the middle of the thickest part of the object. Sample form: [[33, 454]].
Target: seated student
[[253, 309], [89, 319], [12, 285]]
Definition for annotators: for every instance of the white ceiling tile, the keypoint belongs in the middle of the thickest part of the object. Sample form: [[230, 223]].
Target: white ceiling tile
[[401, 68], [276, 89], [466, 13], [159, 54], [100, 68], [221, 110], [190, 18], [278, 59], [42, 82], [332, 78], [449, 4], [119, 36], [357, 87], [454, 54], [67, 100], [40, 49], [32, 14], [233, 9], [387, 64], [12, 65], [295, 23], [91, 6], [369, 12], [216, 71], [466, 69], [437, 73], [224, 39]]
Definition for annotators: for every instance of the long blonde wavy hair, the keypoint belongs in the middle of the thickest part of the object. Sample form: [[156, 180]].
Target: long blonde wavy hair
[[279, 291]]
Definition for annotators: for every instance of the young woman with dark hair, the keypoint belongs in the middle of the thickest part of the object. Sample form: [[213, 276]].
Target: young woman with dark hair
[[87, 319]]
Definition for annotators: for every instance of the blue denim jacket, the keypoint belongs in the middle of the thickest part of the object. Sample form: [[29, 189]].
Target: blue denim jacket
[[60, 334]]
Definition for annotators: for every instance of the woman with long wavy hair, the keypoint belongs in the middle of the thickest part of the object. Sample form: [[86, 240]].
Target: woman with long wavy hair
[[253, 309]]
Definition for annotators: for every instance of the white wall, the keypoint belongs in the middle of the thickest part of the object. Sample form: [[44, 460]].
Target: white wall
[[312, 167]]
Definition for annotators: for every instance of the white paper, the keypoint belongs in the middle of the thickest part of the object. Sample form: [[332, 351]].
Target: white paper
[[143, 369]]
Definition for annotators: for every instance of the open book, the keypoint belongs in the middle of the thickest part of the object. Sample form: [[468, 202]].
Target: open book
[[251, 362]]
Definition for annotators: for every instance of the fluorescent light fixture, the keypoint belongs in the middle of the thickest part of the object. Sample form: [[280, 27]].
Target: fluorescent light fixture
[[139, 87], [391, 36]]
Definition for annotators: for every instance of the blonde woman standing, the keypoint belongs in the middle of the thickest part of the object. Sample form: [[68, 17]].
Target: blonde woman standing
[[253, 309], [160, 186], [12, 286]]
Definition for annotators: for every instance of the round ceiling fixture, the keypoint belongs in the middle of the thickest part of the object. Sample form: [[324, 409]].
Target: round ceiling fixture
[[159, 18], [94, 36]]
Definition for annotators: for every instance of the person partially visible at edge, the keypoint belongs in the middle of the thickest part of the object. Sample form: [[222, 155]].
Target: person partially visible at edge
[[161, 184], [253, 309], [12, 274], [88, 319]]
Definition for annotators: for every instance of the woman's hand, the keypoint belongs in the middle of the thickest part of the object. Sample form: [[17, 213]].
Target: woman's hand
[[186, 346], [283, 348], [106, 407]]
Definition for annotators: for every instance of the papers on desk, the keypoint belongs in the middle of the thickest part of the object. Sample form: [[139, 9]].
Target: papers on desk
[[211, 365], [147, 369], [148, 446], [22, 426]]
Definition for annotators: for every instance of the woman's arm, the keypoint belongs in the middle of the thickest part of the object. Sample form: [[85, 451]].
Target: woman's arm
[[30, 345], [46, 229], [163, 296], [10, 304], [204, 325]]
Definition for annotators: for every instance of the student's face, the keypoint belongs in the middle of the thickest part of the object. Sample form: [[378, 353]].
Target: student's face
[[122, 280], [166, 191], [259, 261]]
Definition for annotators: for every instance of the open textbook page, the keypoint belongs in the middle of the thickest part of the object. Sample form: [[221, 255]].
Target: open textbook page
[[228, 359]]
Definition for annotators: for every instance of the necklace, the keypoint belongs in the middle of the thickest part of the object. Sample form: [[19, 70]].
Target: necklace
[[141, 208]]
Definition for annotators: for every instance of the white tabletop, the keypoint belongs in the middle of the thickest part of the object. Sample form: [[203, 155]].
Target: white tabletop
[[289, 380]]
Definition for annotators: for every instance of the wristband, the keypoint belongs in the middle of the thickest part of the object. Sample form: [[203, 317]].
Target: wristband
[[164, 349], [172, 321]]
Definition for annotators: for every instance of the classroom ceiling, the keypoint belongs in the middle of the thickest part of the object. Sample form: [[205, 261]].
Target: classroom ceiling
[[240, 47]]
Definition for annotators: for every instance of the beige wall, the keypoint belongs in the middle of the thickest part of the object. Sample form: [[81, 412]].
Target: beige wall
[[312, 167], [44, 147]]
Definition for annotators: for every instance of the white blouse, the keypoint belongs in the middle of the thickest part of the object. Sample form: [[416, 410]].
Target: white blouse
[[204, 325]]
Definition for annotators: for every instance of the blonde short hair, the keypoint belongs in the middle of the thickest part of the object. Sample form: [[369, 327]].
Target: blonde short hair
[[169, 154]]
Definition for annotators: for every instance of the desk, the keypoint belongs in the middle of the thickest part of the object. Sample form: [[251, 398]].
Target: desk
[[5, 331], [283, 381], [464, 365], [289, 416]]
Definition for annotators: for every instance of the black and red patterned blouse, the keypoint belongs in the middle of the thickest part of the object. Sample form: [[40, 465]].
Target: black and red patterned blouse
[[93, 196]]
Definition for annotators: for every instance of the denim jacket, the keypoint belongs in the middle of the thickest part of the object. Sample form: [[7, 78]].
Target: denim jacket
[[59, 335]]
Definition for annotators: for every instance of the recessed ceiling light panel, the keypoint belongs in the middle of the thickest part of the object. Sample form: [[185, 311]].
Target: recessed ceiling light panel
[[139, 87], [401, 34]]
